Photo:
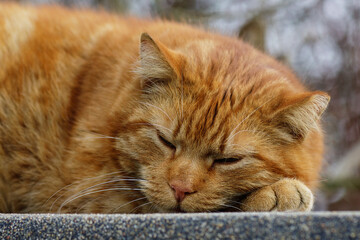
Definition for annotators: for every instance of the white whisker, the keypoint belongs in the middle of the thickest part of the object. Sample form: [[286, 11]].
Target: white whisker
[[142, 205], [138, 199], [83, 205], [83, 181], [111, 181], [73, 198], [230, 206], [69, 185]]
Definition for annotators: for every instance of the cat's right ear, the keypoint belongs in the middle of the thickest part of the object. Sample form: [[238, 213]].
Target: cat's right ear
[[158, 63], [299, 114]]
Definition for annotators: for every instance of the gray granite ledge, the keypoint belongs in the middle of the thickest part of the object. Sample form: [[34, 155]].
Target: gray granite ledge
[[316, 225]]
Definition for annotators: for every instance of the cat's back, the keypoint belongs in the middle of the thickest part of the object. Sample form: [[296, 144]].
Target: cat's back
[[45, 54], [41, 52], [51, 33]]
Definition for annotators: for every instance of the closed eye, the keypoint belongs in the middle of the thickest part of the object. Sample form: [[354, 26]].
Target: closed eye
[[166, 142], [227, 160]]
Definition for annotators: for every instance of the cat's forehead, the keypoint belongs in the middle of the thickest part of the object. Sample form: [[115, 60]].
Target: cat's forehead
[[219, 67], [209, 53], [221, 95], [206, 121]]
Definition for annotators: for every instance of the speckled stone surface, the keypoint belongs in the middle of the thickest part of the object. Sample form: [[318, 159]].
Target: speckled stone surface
[[317, 225]]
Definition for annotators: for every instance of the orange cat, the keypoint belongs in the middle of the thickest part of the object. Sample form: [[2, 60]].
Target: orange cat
[[100, 113]]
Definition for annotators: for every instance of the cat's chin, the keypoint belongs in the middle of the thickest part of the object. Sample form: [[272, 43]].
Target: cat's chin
[[176, 209], [182, 209]]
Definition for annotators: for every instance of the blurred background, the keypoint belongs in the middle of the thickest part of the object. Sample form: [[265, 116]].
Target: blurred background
[[318, 39]]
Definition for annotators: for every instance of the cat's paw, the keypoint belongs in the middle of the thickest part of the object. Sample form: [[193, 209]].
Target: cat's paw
[[284, 195]]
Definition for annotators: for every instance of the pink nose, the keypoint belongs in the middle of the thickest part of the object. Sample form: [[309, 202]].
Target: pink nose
[[181, 190]]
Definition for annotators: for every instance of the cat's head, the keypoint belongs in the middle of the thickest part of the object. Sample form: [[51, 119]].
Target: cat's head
[[216, 120]]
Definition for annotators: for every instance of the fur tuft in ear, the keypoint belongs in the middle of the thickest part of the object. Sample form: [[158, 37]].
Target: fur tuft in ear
[[157, 63], [299, 115]]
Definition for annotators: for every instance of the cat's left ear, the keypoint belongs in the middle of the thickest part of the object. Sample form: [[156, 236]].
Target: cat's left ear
[[157, 62], [298, 115]]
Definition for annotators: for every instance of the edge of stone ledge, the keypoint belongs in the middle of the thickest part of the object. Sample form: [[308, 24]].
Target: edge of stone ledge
[[295, 225], [187, 215]]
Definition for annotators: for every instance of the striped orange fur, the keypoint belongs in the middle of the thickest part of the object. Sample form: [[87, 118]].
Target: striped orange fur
[[100, 113]]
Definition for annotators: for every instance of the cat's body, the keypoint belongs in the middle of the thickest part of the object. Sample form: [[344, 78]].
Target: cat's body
[[195, 122]]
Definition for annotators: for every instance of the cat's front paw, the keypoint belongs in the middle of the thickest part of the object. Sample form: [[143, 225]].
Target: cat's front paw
[[284, 195]]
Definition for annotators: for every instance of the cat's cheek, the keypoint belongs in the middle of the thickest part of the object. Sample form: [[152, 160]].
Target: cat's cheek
[[140, 148], [156, 188]]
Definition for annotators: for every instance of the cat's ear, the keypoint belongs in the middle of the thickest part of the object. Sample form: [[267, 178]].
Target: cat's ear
[[157, 62], [299, 114]]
